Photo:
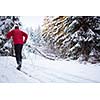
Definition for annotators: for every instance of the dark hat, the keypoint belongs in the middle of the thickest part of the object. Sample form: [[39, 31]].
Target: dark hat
[[17, 27]]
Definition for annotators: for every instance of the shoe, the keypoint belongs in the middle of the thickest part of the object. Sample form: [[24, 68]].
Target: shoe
[[19, 67]]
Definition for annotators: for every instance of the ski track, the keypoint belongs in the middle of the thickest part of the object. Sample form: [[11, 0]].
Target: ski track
[[41, 74], [71, 77], [37, 79], [51, 75]]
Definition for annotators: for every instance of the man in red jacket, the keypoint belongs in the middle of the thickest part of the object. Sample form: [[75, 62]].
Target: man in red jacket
[[18, 40]]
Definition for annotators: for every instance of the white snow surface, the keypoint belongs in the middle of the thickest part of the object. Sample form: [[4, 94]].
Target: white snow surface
[[42, 70]]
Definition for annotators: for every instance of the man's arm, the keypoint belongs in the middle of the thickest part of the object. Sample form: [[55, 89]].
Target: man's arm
[[26, 36], [9, 34]]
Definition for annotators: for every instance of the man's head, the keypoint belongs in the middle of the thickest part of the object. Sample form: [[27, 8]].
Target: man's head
[[16, 27]]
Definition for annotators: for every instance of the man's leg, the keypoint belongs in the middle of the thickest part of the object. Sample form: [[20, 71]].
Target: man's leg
[[18, 53]]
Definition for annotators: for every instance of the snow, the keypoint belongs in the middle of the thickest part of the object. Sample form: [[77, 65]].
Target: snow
[[8, 45], [42, 70], [73, 48]]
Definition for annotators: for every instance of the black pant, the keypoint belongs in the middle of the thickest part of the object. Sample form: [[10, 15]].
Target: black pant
[[18, 53]]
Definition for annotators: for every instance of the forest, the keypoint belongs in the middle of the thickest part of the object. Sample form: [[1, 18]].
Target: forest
[[63, 37]]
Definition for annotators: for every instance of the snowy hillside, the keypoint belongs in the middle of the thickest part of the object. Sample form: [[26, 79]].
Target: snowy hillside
[[37, 69]]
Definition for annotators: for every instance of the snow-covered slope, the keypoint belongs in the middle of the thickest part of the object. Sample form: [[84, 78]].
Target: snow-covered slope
[[37, 69]]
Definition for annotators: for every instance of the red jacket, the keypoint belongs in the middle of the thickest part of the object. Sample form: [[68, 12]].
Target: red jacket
[[17, 36]]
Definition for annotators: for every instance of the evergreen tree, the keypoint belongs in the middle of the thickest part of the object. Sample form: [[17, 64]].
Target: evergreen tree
[[6, 24], [75, 36], [52, 32], [35, 38]]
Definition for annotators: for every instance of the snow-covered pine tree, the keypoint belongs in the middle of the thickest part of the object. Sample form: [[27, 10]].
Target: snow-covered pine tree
[[75, 36], [53, 30], [84, 37], [35, 38], [6, 24]]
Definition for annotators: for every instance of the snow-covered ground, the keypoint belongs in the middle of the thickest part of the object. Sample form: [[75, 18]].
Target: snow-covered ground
[[37, 69]]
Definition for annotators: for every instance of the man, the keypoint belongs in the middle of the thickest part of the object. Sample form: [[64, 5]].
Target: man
[[18, 40]]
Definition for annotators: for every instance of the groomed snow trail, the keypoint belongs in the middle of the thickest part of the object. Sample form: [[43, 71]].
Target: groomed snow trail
[[41, 70]]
